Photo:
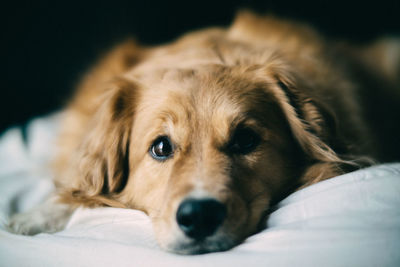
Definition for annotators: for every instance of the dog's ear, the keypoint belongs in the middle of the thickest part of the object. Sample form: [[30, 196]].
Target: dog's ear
[[100, 117], [312, 124], [102, 158]]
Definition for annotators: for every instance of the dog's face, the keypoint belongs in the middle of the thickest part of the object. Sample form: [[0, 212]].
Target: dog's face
[[210, 148], [204, 151]]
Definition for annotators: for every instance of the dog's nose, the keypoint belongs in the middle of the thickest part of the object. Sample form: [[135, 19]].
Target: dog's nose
[[199, 218]]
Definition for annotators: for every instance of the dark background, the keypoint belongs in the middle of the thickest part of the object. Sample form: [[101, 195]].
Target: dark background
[[47, 45]]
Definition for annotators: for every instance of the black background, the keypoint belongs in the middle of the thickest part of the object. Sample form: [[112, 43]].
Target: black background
[[47, 45]]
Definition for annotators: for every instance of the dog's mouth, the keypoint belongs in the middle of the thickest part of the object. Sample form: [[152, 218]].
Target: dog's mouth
[[215, 243]]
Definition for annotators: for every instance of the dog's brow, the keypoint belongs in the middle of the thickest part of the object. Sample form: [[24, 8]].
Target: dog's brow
[[244, 119]]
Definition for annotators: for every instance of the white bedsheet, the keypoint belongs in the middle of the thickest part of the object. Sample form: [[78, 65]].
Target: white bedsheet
[[350, 220]]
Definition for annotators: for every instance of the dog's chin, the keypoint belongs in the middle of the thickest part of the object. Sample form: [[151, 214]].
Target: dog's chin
[[210, 244]]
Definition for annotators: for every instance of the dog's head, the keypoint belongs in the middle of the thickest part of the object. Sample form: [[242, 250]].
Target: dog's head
[[204, 150]]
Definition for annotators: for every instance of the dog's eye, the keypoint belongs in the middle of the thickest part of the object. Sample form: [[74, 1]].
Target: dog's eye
[[161, 149], [244, 141]]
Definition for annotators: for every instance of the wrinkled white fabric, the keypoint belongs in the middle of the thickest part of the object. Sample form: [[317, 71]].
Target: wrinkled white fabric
[[350, 220]]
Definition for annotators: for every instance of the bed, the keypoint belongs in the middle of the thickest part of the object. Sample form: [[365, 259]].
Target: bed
[[349, 220]]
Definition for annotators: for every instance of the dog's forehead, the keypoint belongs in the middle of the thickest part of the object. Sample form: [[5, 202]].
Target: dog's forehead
[[205, 91]]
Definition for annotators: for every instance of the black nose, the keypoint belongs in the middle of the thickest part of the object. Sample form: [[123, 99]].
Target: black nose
[[200, 218]]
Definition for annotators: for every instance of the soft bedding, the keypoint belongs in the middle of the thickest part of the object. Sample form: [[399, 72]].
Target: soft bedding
[[349, 220]]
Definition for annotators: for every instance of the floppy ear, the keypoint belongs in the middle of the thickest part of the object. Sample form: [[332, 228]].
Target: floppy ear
[[101, 162], [313, 127], [312, 124], [92, 161]]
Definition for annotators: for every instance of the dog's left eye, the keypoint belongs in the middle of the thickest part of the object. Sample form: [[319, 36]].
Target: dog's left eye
[[244, 141], [162, 148]]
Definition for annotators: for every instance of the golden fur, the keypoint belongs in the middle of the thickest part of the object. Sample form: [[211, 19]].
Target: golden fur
[[280, 79]]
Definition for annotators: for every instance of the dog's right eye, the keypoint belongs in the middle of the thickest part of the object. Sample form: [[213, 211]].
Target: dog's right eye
[[162, 148]]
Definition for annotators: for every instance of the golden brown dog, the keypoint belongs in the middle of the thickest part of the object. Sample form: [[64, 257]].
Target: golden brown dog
[[206, 133]]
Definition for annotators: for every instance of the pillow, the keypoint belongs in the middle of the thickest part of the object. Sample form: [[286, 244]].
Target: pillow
[[349, 220]]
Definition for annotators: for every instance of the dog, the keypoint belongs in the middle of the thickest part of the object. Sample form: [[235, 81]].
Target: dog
[[207, 133]]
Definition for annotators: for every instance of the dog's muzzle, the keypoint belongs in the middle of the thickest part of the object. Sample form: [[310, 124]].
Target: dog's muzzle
[[200, 218]]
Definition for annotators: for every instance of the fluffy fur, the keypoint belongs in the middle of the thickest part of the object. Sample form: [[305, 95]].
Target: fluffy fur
[[308, 101]]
